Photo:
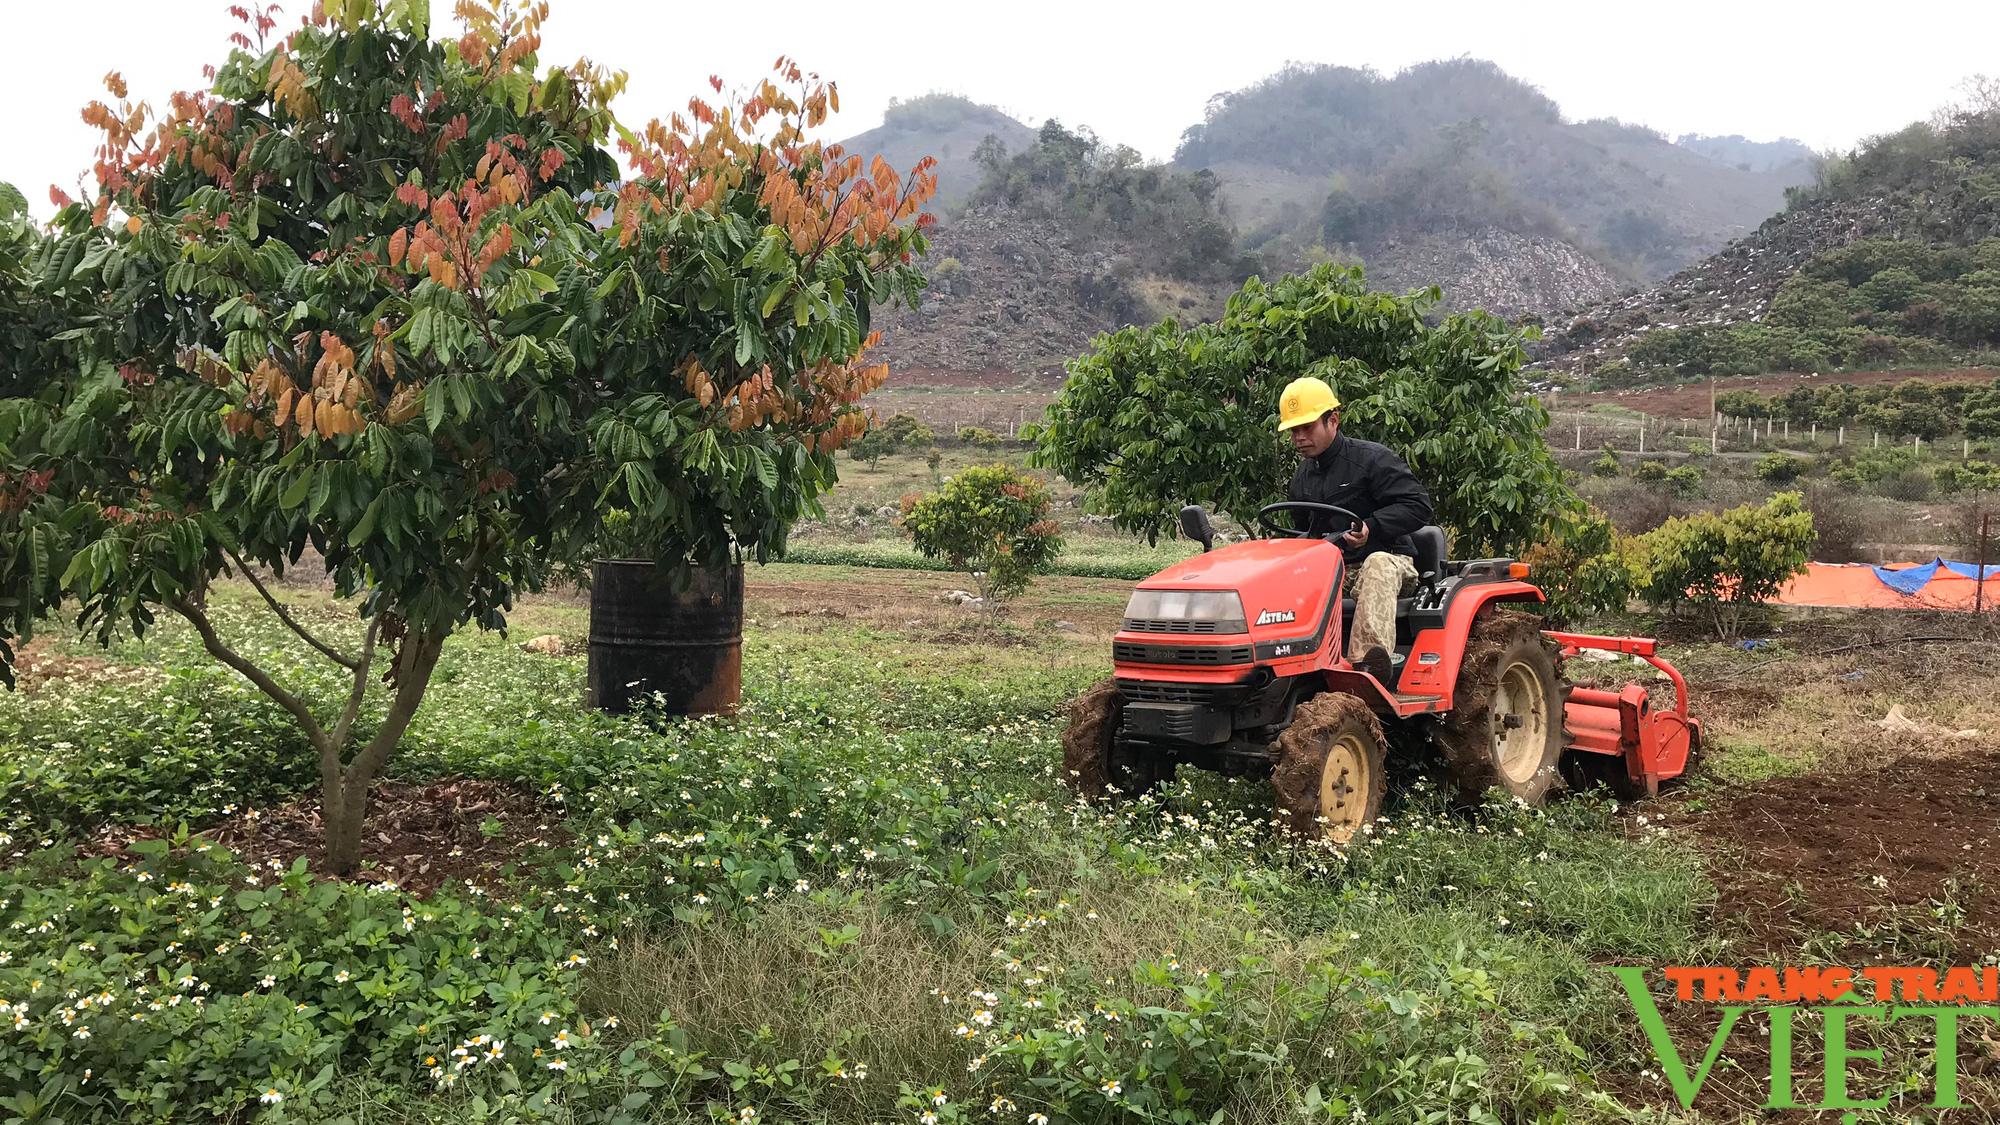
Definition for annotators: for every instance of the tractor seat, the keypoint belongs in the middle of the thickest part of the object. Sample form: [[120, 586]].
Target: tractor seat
[[1431, 552]]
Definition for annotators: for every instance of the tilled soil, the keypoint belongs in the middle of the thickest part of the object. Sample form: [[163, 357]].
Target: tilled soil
[[1795, 857], [418, 836]]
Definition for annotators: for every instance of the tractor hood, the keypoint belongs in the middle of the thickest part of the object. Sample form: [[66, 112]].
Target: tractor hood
[[1284, 583]]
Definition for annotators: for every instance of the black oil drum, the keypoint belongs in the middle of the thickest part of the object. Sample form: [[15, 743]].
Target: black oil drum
[[647, 637]]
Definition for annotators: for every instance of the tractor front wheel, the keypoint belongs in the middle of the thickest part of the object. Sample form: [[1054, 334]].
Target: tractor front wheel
[[1094, 762], [1505, 726], [1332, 768]]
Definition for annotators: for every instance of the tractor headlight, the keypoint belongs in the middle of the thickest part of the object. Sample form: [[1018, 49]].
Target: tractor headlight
[[1219, 611]]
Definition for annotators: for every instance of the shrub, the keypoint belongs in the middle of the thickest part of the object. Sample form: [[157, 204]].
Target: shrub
[[1969, 476], [1843, 521], [872, 445], [907, 429], [1581, 570], [1650, 472], [1872, 466], [1781, 468], [991, 521], [1910, 485], [934, 460], [1723, 563], [1633, 506], [978, 437], [1685, 481], [1606, 464]]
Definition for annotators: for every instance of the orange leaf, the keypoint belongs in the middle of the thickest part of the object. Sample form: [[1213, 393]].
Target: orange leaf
[[284, 405], [398, 243], [133, 225], [304, 414]]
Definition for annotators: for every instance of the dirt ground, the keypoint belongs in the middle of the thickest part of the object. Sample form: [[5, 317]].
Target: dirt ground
[[1690, 400], [418, 836], [1083, 610]]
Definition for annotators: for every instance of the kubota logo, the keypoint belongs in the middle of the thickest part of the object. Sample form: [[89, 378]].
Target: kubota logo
[[1276, 617]]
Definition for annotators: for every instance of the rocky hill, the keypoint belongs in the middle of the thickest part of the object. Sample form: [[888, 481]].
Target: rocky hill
[[1347, 158], [947, 127], [1889, 257], [1450, 174], [1012, 296], [1733, 286], [1514, 275]]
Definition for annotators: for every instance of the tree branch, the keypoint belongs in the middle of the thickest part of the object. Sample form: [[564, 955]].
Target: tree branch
[[285, 615], [413, 675], [211, 641], [360, 692]]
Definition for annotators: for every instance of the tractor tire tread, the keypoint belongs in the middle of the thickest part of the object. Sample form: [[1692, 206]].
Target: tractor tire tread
[[1085, 738], [1463, 733], [1302, 751]]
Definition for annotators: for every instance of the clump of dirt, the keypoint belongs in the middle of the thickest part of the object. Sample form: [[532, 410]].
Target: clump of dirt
[[1797, 856], [418, 836]]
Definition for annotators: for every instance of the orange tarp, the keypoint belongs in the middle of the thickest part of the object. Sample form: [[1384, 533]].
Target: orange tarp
[[1856, 585]]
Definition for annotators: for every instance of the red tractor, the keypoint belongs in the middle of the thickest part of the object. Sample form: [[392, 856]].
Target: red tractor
[[1233, 661]]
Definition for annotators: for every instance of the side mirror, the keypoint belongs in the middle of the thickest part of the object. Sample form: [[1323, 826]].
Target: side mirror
[[1196, 525]]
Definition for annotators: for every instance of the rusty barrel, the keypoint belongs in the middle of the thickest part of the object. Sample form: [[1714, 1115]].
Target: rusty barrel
[[655, 645]]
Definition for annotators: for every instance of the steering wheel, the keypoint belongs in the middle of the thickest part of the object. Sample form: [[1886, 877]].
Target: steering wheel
[[1264, 518]]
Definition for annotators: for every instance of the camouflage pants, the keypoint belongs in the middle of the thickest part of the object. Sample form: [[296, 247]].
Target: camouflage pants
[[1375, 585]]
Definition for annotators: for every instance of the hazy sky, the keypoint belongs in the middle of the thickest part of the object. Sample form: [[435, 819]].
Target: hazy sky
[[1828, 73]]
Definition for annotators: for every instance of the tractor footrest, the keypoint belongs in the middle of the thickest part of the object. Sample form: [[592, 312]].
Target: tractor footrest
[[1177, 722]]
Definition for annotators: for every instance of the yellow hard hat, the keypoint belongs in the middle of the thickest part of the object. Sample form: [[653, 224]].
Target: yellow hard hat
[[1304, 401]]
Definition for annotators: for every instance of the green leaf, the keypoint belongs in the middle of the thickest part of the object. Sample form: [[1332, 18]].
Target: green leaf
[[300, 486], [773, 295], [365, 526]]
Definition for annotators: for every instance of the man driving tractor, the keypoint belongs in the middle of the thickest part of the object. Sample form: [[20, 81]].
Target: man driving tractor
[[1376, 485]]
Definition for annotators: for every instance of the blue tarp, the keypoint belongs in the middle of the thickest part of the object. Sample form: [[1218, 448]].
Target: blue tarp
[[1911, 579]]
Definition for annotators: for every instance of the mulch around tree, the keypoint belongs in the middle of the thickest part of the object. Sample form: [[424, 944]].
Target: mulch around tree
[[419, 836]]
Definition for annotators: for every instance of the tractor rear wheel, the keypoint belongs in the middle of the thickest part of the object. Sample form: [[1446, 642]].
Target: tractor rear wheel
[[1094, 763], [1504, 729], [1332, 768]]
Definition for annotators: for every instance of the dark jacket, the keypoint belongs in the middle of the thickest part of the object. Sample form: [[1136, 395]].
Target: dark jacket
[[1373, 483]]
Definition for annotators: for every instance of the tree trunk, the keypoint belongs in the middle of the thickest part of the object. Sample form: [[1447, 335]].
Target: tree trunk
[[343, 811], [345, 789]]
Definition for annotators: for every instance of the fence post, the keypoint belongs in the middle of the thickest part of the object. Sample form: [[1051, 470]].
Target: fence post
[[1916, 443], [1642, 437], [1878, 440], [1579, 435], [1842, 439], [1815, 433]]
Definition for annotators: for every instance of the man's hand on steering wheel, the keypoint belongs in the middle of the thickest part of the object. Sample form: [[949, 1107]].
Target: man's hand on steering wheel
[[1345, 538]]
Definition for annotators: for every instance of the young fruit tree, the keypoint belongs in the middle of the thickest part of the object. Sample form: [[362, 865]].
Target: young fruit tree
[[371, 294], [991, 522], [1153, 418]]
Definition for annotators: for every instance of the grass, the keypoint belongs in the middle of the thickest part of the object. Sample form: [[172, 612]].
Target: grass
[[1083, 556], [766, 906]]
